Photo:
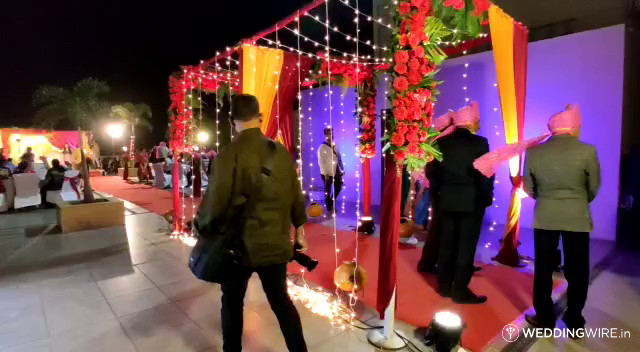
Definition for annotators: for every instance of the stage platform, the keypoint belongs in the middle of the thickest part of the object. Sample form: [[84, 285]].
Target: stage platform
[[509, 290]]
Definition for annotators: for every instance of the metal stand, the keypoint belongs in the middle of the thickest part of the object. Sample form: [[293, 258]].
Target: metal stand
[[387, 338]]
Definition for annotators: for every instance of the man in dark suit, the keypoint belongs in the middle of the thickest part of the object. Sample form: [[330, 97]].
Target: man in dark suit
[[463, 194]]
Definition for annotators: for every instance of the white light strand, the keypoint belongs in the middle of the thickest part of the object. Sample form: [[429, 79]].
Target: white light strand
[[465, 86], [345, 54], [369, 18], [348, 37], [216, 66], [230, 102], [376, 61], [278, 76], [353, 298], [300, 111], [332, 185]]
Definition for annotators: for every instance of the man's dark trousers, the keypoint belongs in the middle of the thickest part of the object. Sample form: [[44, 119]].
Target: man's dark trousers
[[274, 284], [329, 183], [576, 270], [459, 236]]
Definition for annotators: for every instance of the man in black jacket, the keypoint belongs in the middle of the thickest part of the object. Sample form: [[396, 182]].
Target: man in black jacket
[[463, 194], [266, 235]]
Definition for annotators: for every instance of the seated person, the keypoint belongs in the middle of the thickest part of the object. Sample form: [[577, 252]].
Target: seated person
[[53, 180], [24, 167], [5, 171], [10, 165]]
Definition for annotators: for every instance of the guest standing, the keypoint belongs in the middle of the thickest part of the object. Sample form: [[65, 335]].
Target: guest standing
[[563, 176], [331, 168], [241, 171], [463, 194]]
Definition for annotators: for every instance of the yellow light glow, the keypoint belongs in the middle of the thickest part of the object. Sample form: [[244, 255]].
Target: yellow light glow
[[115, 130], [203, 136], [448, 319], [321, 303]]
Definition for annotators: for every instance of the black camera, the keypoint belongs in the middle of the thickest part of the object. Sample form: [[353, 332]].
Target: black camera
[[303, 259]]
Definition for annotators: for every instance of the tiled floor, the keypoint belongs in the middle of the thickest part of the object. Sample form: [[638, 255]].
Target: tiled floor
[[130, 290]]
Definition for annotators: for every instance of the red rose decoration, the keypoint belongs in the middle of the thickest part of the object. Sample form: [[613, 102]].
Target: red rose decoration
[[402, 128], [414, 41], [401, 84], [400, 155], [482, 6], [456, 4], [417, 3], [404, 40], [404, 8], [397, 139], [423, 136], [415, 77], [401, 68], [413, 137], [418, 52], [400, 114], [414, 64], [413, 148], [402, 56]]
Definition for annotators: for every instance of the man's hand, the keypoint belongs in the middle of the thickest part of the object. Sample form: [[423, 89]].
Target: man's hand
[[301, 240]]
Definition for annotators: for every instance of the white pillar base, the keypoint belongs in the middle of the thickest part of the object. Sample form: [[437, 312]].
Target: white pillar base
[[379, 340]]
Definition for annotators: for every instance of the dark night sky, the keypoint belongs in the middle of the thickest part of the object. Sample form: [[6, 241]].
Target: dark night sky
[[133, 45]]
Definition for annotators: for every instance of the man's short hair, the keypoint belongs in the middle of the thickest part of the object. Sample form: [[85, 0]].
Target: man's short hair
[[55, 162], [244, 107]]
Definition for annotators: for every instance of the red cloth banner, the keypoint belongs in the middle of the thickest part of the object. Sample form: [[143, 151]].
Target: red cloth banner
[[366, 186], [282, 109], [389, 234]]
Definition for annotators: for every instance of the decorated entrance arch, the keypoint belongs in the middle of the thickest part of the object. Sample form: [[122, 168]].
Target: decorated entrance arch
[[276, 72]]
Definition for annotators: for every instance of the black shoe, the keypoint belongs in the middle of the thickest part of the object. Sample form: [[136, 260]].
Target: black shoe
[[468, 297], [539, 323], [444, 292], [427, 269]]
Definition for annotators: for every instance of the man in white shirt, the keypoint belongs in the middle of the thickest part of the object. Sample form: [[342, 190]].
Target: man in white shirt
[[331, 168]]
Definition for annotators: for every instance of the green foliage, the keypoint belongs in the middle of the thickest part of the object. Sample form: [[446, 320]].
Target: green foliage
[[224, 90], [136, 114], [80, 104]]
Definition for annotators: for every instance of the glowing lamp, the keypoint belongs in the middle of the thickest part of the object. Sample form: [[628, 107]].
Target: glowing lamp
[[350, 277], [445, 331], [115, 130], [366, 226], [124, 149], [203, 137]]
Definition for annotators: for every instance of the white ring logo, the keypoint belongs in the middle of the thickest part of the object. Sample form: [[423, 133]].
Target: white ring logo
[[510, 333]]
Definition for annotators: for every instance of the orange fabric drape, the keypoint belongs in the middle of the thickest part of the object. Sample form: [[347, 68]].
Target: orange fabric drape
[[502, 28], [261, 69]]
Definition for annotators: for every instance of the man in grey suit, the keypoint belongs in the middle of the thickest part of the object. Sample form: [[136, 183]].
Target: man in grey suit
[[563, 176]]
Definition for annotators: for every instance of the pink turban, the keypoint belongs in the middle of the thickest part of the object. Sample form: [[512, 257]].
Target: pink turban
[[440, 123], [568, 121], [466, 116]]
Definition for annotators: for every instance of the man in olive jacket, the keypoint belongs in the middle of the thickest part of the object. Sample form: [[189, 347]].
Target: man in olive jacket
[[563, 176], [279, 203]]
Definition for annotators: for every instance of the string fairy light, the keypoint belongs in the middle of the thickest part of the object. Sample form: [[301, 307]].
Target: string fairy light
[[369, 18], [348, 37], [300, 110], [228, 60]]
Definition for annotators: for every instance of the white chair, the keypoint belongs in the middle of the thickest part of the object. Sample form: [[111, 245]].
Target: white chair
[[41, 170], [153, 172], [6, 198], [27, 190], [67, 193], [160, 179]]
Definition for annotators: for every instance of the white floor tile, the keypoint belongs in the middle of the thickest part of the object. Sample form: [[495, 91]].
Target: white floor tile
[[151, 322], [188, 288], [125, 284], [137, 302], [163, 272], [22, 326], [107, 337], [201, 306], [64, 317], [185, 338]]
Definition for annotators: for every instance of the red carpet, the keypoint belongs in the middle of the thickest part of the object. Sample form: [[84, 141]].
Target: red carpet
[[509, 290]]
